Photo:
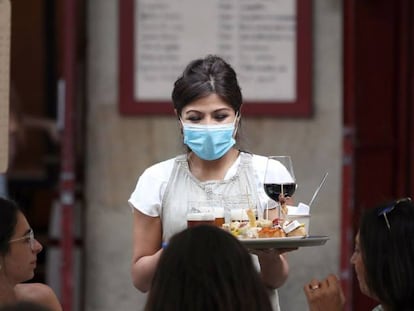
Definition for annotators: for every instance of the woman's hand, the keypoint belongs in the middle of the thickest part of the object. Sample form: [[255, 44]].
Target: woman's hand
[[325, 295]]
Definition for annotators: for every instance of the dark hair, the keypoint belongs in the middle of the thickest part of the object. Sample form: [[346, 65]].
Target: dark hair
[[206, 268], [202, 77], [388, 254], [8, 220], [24, 306]]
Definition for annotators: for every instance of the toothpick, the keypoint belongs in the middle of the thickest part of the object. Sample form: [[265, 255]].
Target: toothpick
[[267, 209]]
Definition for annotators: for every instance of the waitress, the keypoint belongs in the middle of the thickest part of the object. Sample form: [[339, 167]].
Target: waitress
[[207, 101]]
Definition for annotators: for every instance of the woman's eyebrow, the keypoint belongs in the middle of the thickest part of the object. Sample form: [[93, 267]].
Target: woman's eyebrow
[[223, 110], [193, 111]]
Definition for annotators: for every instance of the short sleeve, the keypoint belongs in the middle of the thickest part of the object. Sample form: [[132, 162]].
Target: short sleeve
[[149, 191]]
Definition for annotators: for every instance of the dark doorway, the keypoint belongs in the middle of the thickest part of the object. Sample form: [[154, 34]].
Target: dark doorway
[[38, 68], [378, 113], [34, 167]]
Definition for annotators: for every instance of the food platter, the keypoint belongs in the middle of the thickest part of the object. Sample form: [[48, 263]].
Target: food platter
[[285, 242]]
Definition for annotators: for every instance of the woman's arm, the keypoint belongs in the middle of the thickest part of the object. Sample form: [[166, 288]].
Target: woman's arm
[[146, 249], [274, 267]]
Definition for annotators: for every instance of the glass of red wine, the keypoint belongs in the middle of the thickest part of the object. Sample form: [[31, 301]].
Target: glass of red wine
[[279, 180]]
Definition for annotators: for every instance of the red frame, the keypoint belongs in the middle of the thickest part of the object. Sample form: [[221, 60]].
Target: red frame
[[300, 108]]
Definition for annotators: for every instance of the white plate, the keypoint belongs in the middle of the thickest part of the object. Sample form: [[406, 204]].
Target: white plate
[[287, 242]]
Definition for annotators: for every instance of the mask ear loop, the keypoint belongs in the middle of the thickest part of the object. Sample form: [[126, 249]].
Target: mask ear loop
[[180, 122], [236, 123]]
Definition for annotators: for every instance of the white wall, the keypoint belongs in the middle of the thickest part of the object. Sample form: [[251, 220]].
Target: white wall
[[120, 148]]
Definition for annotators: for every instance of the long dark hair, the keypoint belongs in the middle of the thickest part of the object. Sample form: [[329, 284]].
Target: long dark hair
[[8, 220], [205, 76], [388, 254], [206, 268], [25, 306]]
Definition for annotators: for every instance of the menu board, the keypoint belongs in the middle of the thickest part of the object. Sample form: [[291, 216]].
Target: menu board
[[261, 39], [256, 37], [4, 81]]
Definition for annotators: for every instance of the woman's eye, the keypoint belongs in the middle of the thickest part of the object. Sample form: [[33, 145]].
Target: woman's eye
[[221, 117], [194, 118]]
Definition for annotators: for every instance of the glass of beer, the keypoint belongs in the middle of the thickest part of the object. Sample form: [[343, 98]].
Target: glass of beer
[[200, 213], [219, 216]]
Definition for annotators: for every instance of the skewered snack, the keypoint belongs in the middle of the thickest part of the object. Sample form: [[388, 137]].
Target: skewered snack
[[246, 226], [252, 217], [283, 206], [264, 223], [265, 228], [294, 228], [275, 232], [299, 231]]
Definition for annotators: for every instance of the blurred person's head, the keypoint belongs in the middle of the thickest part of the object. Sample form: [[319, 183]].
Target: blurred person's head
[[24, 306], [206, 268], [384, 254], [18, 247]]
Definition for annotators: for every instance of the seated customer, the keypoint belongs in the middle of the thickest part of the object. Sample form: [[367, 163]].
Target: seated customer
[[24, 306], [206, 268], [383, 261], [18, 252]]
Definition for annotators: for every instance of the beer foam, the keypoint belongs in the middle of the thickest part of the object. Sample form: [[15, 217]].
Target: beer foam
[[200, 216], [238, 214], [219, 212]]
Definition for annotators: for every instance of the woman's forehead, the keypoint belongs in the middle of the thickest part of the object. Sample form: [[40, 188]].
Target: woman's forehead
[[22, 225], [209, 103]]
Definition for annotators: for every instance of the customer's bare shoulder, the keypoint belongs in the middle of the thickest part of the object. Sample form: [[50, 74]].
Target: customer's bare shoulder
[[38, 293]]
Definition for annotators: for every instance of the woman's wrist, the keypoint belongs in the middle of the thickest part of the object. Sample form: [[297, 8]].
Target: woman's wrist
[[269, 256]]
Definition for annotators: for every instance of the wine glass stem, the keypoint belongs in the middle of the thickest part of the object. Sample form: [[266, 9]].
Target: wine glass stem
[[282, 194]]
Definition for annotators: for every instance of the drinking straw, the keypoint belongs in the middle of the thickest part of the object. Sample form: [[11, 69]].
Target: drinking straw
[[318, 189], [280, 205]]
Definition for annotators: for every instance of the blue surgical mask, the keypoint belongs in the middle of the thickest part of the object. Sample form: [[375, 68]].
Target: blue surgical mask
[[209, 142]]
